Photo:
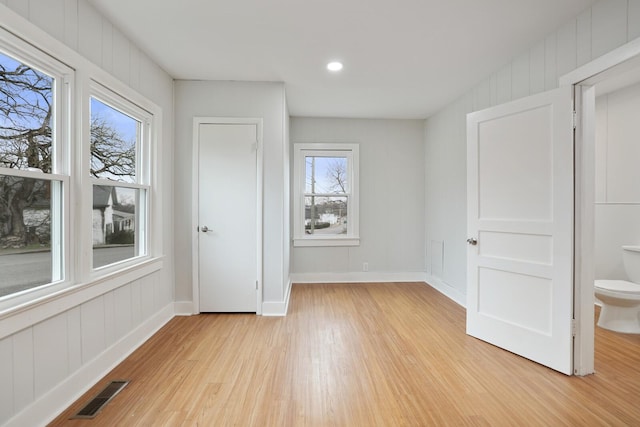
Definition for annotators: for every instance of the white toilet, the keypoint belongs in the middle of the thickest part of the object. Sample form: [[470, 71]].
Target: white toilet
[[620, 298]]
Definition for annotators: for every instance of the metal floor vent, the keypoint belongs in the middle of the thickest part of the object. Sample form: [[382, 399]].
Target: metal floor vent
[[91, 409]]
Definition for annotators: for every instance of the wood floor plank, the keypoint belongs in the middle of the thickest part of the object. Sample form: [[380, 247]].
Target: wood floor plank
[[392, 354]]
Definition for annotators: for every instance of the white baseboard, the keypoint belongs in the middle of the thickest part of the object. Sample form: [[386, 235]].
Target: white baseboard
[[277, 308], [447, 290], [358, 277], [54, 402], [183, 308]]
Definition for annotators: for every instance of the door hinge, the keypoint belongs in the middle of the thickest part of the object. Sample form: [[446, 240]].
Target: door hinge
[[574, 328], [256, 285], [575, 119]]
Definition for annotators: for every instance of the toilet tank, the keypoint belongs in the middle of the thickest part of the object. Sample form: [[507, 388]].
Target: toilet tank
[[631, 260]]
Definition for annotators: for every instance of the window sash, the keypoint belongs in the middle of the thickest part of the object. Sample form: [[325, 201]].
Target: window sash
[[60, 91], [142, 179], [142, 221], [58, 210], [326, 194], [144, 117]]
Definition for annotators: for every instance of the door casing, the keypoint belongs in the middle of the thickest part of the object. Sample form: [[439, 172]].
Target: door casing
[[584, 79]]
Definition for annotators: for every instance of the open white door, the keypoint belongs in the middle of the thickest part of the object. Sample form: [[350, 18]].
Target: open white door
[[520, 225]]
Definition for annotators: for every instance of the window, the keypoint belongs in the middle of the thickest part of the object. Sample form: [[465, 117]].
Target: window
[[119, 170], [34, 179], [326, 195], [75, 177]]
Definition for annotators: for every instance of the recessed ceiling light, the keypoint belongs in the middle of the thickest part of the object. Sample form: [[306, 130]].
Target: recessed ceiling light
[[334, 66]]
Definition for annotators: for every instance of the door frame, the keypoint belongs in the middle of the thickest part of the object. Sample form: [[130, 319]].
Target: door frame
[[195, 209], [584, 197]]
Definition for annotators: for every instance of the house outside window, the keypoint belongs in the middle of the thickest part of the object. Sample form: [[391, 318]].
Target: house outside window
[[326, 195]]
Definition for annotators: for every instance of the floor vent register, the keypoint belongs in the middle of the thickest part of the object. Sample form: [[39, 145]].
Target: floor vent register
[[91, 409]]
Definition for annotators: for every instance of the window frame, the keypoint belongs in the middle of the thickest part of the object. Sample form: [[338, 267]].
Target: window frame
[[61, 198], [351, 152], [143, 176], [22, 41]]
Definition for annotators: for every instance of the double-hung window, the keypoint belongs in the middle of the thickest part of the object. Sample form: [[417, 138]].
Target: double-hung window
[[34, 169], [119, 170], [326, 195], [75, 177]]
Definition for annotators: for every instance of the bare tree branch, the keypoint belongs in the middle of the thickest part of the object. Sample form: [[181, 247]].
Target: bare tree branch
[[26, 114]]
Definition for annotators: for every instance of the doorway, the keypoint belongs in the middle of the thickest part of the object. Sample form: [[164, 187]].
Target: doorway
[[612, 73], [227, 215], [575, 322]]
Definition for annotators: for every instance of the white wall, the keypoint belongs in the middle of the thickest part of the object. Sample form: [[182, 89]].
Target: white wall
[[235, 99], [52, 352], [391, 202], [617, 210], [446, 199], [605, 26]]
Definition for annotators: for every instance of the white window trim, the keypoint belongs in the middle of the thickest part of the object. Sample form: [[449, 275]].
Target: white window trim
[[351, 150]]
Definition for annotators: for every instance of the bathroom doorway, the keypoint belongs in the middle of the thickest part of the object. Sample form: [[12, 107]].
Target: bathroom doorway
[[607, 93]]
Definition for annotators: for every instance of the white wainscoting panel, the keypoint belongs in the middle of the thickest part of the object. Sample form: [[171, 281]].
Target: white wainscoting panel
[[74, 338], [50, 354], [23, 364], [109, 319], [93, 328], [6, 379], [123, 310]]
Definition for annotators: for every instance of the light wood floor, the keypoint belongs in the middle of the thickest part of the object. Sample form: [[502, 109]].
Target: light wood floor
[[358, 355]]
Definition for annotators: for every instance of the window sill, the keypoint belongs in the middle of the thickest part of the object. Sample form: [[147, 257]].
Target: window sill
[[58, 300], [326, 241]]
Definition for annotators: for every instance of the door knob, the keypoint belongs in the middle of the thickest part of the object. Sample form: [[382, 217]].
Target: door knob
[[204, 229], [472, 241]]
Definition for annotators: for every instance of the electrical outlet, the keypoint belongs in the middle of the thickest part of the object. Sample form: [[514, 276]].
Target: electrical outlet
[[365, 266]]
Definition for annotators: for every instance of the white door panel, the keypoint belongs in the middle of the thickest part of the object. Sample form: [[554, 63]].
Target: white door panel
[[227, 203], [520, 211]]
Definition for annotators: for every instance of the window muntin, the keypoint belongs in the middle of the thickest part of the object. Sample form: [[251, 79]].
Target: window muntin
[[33, 138], [325, 201], [119, 134]]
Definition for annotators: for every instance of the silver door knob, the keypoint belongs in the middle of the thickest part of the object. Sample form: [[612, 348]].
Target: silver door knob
[[204, 228], [472, 241]]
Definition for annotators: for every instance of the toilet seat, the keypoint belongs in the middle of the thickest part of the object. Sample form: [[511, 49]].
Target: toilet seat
[[622, 286]]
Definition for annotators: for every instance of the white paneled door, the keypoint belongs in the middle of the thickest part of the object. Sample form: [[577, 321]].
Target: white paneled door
[[520, 226], [227, 230]]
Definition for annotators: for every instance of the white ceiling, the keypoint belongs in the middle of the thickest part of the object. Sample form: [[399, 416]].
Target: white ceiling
[[402, 58]]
